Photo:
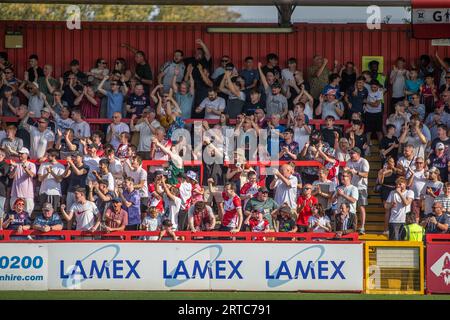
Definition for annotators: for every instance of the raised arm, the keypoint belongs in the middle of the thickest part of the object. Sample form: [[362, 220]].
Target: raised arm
[[205, 48], [100, 86], [262, 76]]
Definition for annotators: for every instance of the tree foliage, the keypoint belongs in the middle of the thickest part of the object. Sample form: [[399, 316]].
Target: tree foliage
[[138, 13]]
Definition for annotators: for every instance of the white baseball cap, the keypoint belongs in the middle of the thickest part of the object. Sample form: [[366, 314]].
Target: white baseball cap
[[192, 175], [24, 150]]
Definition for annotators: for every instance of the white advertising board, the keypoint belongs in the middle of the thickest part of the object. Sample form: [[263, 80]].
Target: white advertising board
[[23, 266], [190, 266]]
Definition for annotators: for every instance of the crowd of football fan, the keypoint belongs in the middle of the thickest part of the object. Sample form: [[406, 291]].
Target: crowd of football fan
[[101, 183]]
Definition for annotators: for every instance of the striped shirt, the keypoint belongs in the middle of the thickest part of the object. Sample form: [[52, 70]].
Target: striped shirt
[[445, 202]]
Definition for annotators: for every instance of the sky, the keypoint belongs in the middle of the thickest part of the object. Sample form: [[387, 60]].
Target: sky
[[319, 14]]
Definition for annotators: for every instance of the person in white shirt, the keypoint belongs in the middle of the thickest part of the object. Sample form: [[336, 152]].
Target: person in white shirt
[[416, 182], [86, 214], [398, 205], [213, 105], [373, 110], [319, 221], [115, 129], [147, 128], [359, 167], [172, 203], [285, 186], [139, 176], [41, 138], [346, 193], [50, 175]]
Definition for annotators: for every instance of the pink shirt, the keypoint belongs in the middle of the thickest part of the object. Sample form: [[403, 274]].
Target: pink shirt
[[22, 186]]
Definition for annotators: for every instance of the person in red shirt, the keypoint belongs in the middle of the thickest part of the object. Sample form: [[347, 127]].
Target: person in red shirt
[[257, 222], [232, 208], [156, 191], [249, 189], [304, 207]]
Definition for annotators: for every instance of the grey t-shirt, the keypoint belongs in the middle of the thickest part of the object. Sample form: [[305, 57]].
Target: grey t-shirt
[[362, 165], [275, 104]]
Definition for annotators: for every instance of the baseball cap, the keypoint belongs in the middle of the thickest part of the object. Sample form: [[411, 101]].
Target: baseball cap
[[263, 190], [116, 199], [285, 209], [356, 150], [93, 145], [35, 84], [192, 175], [76, 154], [47, 207], [46, 109], [24, 150], [440, 146], [331, 91]]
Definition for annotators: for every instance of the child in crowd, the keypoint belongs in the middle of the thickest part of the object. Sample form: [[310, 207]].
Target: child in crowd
[[151, 222]]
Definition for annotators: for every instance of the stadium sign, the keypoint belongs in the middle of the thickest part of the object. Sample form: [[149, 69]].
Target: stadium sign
[[438, 267], [194, 266], [23, 266], [431, 19]]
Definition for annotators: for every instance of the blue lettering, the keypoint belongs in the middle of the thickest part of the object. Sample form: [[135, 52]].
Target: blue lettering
[[235, 269], [79, 265], [62, 275], [219, 268], [323, 268], [286, 272], [337, 270], [304, 273], [268, 275], [181, 271], [133, 269], [201, 272], [165, 275], [99, 272], [117, 266]]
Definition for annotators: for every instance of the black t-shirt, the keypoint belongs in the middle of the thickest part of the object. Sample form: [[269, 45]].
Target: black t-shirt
[[360, 140], [275, 70], [437, 140], [24, 134], [386, 143], [77, 181], [145, 72], [328, 135], [348, 81], [4, 170], [250, 108], [69, 96], [31, 76], [201, 88]]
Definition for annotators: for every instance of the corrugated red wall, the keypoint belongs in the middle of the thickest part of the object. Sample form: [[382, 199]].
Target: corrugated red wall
[[57, 45]]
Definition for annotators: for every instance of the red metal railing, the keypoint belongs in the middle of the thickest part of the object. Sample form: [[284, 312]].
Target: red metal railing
[[437, 237], [189, 236]]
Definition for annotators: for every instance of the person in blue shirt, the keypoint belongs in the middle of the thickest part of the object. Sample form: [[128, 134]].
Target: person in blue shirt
[[250, 75], [115, 97], [47, 221], [333, 84]]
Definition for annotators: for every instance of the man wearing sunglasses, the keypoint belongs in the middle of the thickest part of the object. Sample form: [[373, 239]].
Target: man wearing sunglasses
[[42, 138], [115, 96]]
